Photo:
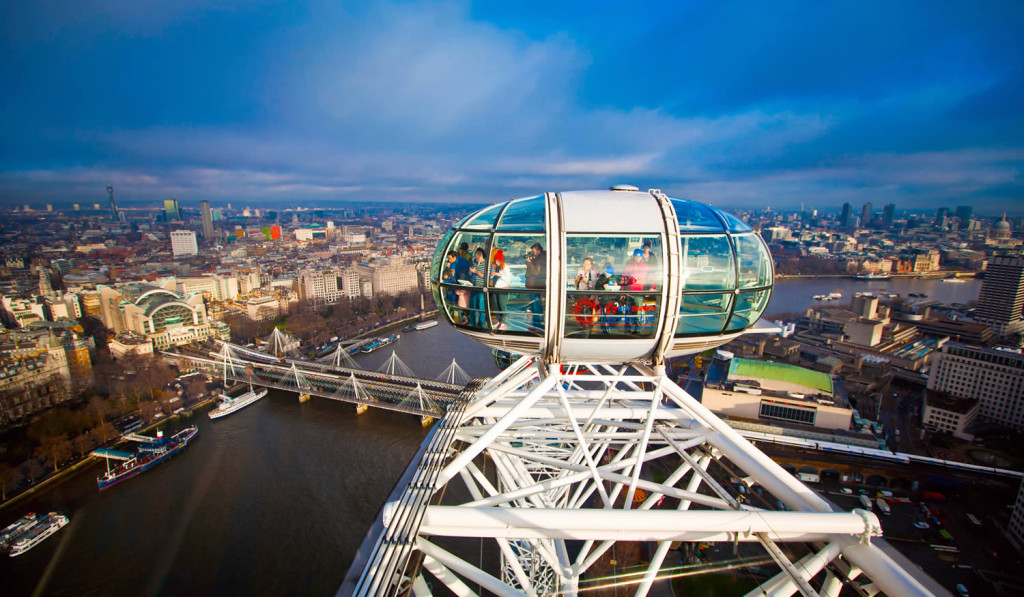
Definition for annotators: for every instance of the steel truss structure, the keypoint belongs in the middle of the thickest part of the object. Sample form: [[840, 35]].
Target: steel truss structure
[[556, 466]]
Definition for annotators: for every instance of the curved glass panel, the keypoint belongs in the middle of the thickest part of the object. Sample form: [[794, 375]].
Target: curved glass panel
[[471, 263], [527, 267], [485, 218], [749, 306], [515, 312], [171, 315], [732, 223], [696, 217], [524, 214], [754, 261], [708, 263], [439, 252], [607, 314], [703, 314], [626, 263]]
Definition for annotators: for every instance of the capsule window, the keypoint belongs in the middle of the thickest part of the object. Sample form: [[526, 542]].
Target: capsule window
[[703, 314], [708, 263], [525, 215]]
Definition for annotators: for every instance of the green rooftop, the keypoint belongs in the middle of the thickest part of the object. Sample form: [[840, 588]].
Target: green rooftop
[[781, 372]]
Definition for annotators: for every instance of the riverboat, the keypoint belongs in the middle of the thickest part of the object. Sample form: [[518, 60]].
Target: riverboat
[[43, 528], [229, 405], [149, 455], [380, 343], [426, 325], [872, 277], [954, 281], [16, 529]]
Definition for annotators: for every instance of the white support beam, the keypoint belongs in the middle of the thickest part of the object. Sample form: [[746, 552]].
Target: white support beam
[[641, 525]]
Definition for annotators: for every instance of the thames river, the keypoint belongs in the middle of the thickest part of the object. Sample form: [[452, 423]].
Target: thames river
[[275, 499]]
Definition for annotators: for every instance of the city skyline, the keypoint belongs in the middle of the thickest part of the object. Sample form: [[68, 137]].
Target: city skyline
[[915, 105]]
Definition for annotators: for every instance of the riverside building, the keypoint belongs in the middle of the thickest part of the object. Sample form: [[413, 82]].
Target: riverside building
[[993, 376]]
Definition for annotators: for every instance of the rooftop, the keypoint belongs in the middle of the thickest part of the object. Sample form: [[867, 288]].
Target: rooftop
[[782, 373]]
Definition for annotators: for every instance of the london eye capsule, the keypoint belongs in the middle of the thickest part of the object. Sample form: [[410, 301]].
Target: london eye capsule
[[602, 276]]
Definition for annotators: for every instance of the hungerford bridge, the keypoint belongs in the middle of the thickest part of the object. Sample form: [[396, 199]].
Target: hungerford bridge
[[392, 387]]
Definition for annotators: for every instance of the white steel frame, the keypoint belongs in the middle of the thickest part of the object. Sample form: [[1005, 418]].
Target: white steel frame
[[567, 449]]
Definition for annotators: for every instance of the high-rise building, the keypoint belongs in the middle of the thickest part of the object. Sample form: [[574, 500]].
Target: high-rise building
[[964, 212], [1001, 300], [172, 213], [993, 376], [183, 243], [207, 220], [114, 216], [865, 215], [888, 214], [844, 216]]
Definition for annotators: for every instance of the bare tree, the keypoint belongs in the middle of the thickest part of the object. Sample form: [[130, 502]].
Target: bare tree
[[10, 477], [83, 444], [103, 433], [54, 450], [32, 469]]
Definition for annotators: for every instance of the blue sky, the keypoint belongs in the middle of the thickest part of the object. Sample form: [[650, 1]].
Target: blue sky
[[737, 104]]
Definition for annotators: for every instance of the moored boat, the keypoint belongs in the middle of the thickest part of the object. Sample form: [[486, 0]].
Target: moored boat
[[16, 529], [229, 405], [43, 528], [380, 343], [426, 325], [149, 455]]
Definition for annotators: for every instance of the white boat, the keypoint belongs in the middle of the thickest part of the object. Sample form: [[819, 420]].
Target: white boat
[[426, 325], [47, 525], [229, 405], [954, 281], [16, 529]]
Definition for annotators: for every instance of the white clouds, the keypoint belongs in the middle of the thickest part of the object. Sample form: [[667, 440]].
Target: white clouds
[[411, 100]]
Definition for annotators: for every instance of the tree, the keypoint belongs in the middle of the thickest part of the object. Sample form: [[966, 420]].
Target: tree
[[103, 433], [196, 386], [54, 450], [147, 409], [83, 444], [32, 469], [9, 479], [98, 409]]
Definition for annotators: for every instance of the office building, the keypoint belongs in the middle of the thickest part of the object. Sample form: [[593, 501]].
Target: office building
[[183, 243], [394, 279], [1001, 301], [888, 214], [993, 376], [207, 220], [172, 212], [844, 216], [865, 215], [965, 213]]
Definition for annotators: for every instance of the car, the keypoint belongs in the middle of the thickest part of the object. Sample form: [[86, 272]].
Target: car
[[846, 490], [962, 591], [921, 525]]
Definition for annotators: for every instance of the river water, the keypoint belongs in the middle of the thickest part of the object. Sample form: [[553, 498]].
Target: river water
[[275, 499]]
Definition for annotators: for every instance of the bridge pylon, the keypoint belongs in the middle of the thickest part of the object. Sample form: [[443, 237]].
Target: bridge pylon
[[454, 375], [395, 366]]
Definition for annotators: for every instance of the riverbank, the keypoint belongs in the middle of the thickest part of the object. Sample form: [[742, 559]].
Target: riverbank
[[67, 472]]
